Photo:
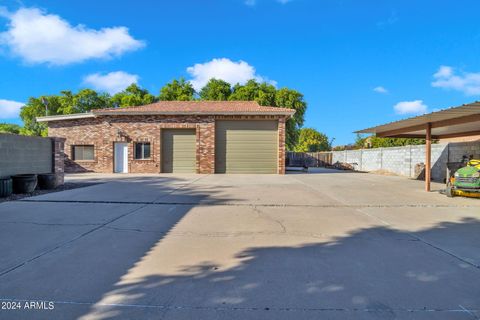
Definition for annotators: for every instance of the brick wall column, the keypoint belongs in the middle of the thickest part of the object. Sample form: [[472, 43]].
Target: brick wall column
[[281, 146], [58, 156], [206, 147]]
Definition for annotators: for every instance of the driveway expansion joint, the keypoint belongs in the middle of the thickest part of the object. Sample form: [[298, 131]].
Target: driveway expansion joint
[[281, 226], [272, 205], [461, 309], [476, 266], [53, 224], [98, 227], [61, 245]]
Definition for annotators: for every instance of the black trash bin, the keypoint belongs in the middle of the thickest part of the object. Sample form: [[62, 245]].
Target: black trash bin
[[47, 181], [24, 183], [5, 187]]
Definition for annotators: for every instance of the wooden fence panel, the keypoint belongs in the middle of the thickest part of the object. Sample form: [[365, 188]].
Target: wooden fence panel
[[309, 159]]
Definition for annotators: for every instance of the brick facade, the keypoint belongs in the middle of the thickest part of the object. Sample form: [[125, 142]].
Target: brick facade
[[58, 159], [281, 146], [104, 131]]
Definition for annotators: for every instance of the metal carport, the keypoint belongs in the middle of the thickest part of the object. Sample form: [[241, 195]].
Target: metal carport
[[453, 122]]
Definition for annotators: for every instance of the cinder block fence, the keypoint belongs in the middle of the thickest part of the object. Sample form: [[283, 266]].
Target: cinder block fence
[[24, 154], [402, 160]]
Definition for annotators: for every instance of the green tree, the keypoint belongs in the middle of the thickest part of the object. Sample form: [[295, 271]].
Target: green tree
[[292, 99], [360, 141], [263, 93], [310, 140], [34, 108], [177, 90], [9, 128], [267, 95], [216, 90], [84, 100], [133, 95], [378, 142], [66, 102]]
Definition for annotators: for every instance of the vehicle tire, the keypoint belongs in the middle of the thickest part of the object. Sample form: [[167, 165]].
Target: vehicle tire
[[449, 190]]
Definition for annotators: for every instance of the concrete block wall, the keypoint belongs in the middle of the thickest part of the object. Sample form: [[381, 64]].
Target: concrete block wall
[[371, 159], [402, 160], [459, 149], [439, 161], [354, 157], [393, 160], [24, 154], [338, 156]]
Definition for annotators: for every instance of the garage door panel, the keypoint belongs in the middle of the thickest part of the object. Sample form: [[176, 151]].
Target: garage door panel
[[251, 164], [178, 150], [257, 147], [252, 140], [243, 168], [246, 147], [248, 157], [245, 125]]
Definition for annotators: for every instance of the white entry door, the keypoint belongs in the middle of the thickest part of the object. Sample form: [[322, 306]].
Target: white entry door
[[121, 157]]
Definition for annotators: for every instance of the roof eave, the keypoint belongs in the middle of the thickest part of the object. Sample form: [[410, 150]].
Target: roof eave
[[107, 113], [369, 130], [189, 113], [459, 112], [66, 117]]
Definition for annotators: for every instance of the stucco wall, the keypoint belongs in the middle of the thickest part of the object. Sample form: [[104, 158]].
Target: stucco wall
[[402, 160]]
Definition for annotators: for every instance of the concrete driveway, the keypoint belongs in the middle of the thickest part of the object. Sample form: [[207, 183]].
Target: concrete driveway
[[329, 245]]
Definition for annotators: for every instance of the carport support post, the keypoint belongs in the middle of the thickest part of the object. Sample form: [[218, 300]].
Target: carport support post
[[428, 156]]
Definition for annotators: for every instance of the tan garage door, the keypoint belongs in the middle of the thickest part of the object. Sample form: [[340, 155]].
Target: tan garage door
[[246, 146], [178, 150]]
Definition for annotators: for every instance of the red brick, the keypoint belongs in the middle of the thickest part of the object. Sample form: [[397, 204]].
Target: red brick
[[103, 131]]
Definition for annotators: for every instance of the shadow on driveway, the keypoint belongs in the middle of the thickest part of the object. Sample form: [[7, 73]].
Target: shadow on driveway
[[120, 269]]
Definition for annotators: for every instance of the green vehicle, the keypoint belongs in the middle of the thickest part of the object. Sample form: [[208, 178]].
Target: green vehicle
[[466, 181]]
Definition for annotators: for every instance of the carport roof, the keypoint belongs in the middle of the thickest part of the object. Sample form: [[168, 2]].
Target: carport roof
[[458, 121], [182, 108]]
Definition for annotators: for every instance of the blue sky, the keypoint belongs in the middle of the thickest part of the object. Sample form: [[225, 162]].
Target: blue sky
[[358, 63]]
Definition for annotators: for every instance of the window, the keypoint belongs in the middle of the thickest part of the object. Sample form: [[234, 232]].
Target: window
[[83, 153], [142, 150]]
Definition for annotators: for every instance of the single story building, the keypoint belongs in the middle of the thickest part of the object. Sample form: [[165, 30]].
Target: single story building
[[175, 136]]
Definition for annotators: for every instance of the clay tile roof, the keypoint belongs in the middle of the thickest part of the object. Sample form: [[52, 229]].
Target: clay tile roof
[[198, 107]]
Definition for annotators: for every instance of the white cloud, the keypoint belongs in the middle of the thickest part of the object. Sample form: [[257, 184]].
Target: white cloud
[[380, 89], [10, 109], [112, 82], [443, 72], [252, 3], [224, 69], [391, 20], [468, 83], [38, 37], [410, 107]]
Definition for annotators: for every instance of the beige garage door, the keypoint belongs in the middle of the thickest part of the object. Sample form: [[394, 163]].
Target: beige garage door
[[246, 146], [178, 150]]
